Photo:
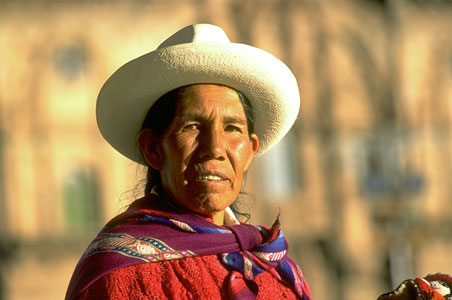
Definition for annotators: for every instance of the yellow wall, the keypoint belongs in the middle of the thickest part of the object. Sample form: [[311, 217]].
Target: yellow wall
[[372, 78]]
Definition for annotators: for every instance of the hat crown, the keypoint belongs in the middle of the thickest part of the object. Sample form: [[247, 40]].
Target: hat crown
[[196, 33]]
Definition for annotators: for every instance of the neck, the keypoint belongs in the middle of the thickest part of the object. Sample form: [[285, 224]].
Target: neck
[[217, 218]]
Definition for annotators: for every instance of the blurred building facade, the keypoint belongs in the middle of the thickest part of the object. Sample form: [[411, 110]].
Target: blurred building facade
[[363, 181]]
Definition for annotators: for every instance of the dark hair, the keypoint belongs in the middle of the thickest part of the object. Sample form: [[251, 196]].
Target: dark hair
[[160, 116]]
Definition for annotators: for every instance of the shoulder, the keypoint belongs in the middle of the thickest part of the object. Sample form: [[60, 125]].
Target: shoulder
[[173, 279], [271, 288], [178, 279]]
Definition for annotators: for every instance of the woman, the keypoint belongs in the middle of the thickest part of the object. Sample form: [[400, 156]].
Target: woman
[[196, 111]]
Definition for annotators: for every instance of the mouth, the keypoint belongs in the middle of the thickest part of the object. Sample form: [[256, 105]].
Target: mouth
[[211, 176]]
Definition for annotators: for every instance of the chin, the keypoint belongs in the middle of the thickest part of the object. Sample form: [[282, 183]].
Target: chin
[[210, 204]]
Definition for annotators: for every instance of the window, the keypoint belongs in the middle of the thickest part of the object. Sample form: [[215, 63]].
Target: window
[[279, 175], [81, 202], [70, 61]]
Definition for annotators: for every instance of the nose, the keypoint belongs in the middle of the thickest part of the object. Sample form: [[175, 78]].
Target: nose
[[212, 144]]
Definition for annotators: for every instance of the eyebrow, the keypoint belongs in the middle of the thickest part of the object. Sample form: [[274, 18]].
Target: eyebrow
[[226, 120], [234, 120]]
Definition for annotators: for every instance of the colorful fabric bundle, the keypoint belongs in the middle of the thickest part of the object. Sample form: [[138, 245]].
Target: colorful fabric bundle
[[165, 232], [432, 287]]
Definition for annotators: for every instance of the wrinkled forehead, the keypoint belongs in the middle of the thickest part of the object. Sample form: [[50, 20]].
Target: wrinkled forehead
[[214, 91], [208, 98]]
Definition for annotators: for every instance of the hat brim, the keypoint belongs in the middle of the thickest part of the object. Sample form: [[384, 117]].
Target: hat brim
[[128, 94]]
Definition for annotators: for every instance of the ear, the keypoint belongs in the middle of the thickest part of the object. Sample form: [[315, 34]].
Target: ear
[[148, 143], [254, 139]]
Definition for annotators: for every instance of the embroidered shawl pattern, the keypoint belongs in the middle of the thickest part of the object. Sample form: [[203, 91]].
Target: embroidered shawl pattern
[[144, 235]]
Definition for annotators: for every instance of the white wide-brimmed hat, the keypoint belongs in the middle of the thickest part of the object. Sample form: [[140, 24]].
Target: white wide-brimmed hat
[[200, 53]]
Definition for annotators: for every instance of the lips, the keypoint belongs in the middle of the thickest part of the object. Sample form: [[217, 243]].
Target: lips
[[210, 175]]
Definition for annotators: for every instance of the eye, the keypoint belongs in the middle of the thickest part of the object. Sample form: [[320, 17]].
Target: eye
[[191, 126], [233, 128]]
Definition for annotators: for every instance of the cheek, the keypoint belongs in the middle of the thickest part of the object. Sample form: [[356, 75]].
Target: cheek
[[184, 144], [175, 152], [240, 152]]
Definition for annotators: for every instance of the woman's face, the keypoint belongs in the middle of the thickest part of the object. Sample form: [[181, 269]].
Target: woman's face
[[205, 151]]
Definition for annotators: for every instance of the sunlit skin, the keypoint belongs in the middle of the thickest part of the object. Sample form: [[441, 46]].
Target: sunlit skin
[[203, 154]]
